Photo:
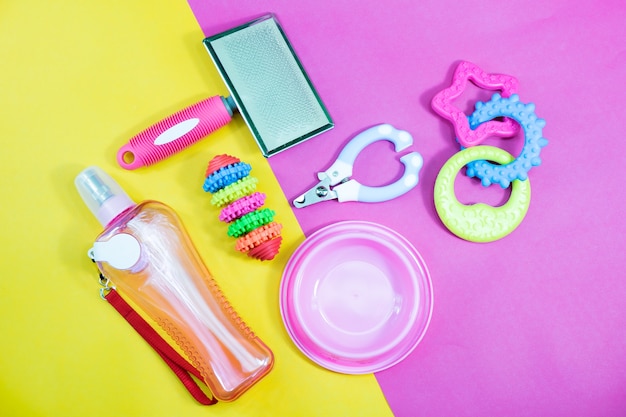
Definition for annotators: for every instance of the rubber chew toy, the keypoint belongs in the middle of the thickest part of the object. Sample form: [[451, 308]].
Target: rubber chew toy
[[524, 114], [442, 104], [480, 222], [234, 191]]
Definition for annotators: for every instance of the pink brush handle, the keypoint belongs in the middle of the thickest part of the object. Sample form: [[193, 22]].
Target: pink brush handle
[[175, 133]]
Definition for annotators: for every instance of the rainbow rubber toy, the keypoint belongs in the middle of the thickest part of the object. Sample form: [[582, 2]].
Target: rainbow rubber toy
[[234, 192]]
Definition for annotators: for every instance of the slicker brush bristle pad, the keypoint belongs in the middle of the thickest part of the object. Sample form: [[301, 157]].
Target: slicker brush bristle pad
[[234, 191]]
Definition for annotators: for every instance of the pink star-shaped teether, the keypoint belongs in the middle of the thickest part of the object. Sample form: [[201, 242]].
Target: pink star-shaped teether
[[442, 104]]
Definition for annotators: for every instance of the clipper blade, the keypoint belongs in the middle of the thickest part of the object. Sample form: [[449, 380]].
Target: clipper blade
[[268, 83]]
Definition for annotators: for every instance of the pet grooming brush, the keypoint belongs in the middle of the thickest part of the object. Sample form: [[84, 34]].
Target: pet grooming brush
[[267, 85]]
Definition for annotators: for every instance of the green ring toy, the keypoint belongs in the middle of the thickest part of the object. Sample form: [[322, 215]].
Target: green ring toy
[[479, 222]]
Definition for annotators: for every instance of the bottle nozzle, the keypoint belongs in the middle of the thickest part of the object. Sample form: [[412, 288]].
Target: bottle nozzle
[[104, 197]]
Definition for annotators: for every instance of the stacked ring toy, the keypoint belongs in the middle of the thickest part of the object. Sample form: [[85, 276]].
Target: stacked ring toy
[[234, 192], [480, 222]]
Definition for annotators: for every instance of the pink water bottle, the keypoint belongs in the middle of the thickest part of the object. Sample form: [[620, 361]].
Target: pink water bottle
[[147, 254]]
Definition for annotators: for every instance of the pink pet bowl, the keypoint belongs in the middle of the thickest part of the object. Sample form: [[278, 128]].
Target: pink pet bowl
[[356, 297]]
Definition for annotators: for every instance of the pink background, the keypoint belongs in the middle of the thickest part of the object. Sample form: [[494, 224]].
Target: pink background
[[533, 324]]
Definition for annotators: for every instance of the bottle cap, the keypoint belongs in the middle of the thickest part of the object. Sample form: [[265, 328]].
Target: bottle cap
[[104, 197]]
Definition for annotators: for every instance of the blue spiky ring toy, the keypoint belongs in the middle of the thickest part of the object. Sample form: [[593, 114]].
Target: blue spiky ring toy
[[524, 114]]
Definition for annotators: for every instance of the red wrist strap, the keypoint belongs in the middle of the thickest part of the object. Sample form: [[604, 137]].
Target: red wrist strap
[[183, 369]]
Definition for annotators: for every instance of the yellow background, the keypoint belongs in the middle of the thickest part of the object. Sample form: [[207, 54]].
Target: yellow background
[[78, 79]]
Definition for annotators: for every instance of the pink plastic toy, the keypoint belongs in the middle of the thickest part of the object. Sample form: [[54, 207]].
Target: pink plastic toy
[[443, 106], [243, 206]]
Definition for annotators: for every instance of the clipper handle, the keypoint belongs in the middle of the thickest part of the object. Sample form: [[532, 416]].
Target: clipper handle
[[176, 132]]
